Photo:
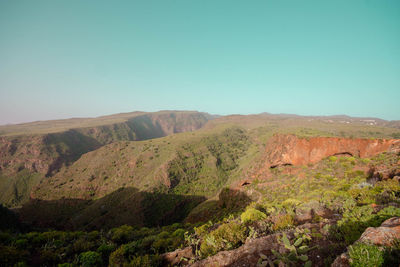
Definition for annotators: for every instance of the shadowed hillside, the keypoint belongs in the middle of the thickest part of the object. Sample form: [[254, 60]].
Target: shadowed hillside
[[123, 206]]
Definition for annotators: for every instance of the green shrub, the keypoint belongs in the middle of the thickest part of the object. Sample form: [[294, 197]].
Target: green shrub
[[105, 250], [82, 245], [203, 229], [297, 251], [363, 195], [352, 160], [225, 237], [122, 234], [252, 215], [290, 203], [163, 235], [365, 161], [21, 243], [388, 185], [180, 233], [94, 235], [364, 255], [90, 258], [389, 212], [332, 159], [161, 245], [148, 241], [117, 257], [282, 221]]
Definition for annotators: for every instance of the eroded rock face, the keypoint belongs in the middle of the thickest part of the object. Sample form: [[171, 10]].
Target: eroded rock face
[[292, 150], [14, 156], [383, 235]]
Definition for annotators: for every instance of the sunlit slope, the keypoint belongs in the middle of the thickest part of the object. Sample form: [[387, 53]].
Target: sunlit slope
[[25, 159], [187, 163]]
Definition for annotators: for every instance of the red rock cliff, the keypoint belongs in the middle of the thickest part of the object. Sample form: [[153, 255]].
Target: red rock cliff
[[293, 150]]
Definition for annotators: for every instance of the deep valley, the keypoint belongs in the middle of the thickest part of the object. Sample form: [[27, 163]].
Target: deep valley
[[177, 188]]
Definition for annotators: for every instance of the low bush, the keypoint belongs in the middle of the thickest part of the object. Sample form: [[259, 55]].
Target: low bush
[[117, 258], [363, 195], [122, 234], [282, 221], [90, 258], [332, 159], [252, 215], [203, 229], [105, 250], [225, 237], [364, 255]]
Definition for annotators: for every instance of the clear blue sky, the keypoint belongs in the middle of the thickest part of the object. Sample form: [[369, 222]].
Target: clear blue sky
[[77, 58]]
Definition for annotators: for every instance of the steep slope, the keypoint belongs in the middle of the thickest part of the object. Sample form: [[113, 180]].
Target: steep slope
[[26, 159], [319, 182], [153, 182], [184, 164], [187, 165]]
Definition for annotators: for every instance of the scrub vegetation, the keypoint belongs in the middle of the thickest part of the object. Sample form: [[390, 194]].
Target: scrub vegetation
[[202, 189]]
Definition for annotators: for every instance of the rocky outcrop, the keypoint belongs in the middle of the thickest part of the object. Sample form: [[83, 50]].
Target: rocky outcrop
[[43, 153], [250, 252], [293, 150], [16, 154], [246, 255], [384, 172], [383, 235], [380, 236]]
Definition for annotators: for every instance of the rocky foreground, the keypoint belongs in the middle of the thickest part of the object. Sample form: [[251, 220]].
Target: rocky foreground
[[257, 251]]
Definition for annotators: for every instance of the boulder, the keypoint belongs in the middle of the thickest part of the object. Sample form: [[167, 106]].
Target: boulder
[[383, 235]]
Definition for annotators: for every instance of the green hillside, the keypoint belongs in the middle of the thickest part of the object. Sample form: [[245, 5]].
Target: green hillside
[[123, 194], [35, 154]]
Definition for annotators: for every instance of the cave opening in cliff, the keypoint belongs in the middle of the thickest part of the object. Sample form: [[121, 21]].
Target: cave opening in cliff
[[281, 165], [343, 154]]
